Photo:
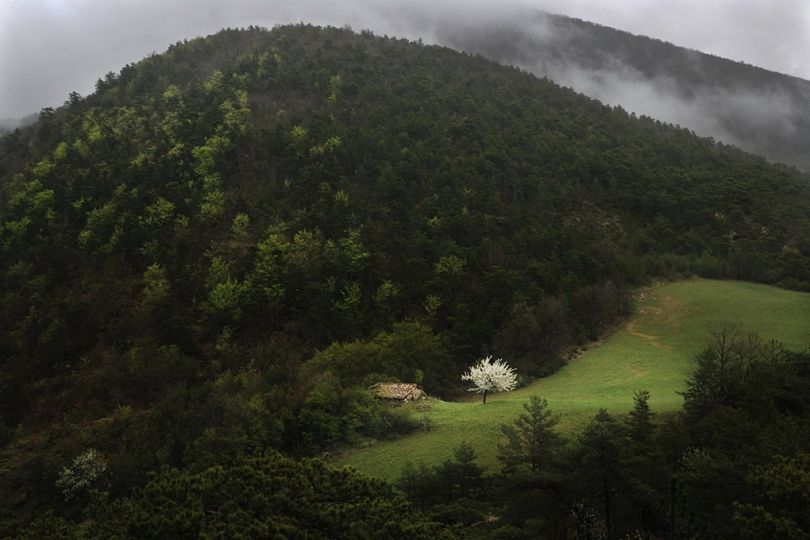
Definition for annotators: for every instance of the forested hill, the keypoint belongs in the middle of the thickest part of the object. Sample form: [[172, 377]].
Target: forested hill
[[214, 250], [758, 110]]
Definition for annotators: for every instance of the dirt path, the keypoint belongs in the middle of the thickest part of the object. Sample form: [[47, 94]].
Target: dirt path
[[652, 340], [670, 314]]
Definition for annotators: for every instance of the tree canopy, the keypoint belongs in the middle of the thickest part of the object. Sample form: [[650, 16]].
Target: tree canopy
[[259, 497]]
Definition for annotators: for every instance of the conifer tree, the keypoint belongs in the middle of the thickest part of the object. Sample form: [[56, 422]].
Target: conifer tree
[[531, 442]]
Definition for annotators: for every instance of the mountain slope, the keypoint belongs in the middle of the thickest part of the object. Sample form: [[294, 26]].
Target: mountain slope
[[758, 110], [654, 351], [217, 250]]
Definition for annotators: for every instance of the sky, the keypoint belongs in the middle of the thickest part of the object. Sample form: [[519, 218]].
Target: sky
[[49, 48]]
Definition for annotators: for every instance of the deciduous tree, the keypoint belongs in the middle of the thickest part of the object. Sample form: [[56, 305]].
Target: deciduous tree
[[488, 375]]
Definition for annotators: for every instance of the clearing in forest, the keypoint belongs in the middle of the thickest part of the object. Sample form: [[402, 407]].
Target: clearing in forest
[[653, 351]]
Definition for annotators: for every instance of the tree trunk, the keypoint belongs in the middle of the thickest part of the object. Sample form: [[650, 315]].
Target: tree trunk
[[485, 396]]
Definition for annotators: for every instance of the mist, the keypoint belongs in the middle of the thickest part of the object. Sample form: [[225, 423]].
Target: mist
[[708, 113], [51, 47], [753, 109]]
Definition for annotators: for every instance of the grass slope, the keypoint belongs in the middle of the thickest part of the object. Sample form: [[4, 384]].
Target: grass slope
[[653, 351]]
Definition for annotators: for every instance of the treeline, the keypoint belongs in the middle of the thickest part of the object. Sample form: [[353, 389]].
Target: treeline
[[223, 245], [266, 496], [732, 465]]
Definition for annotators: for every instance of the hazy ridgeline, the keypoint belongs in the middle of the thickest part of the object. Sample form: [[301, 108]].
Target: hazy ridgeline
[[758, 110]]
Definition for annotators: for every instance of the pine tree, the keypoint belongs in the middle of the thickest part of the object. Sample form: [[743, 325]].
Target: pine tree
[[532, 441], [640, 418]]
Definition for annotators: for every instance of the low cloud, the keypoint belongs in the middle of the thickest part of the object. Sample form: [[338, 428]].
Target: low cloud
[[733, 116], [51, 47]]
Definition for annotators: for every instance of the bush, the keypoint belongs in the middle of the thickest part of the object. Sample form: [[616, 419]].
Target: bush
[[87, 472]]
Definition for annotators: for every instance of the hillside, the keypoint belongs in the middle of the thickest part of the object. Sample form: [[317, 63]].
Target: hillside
[[654, 351], [755, 109], [217, 251]]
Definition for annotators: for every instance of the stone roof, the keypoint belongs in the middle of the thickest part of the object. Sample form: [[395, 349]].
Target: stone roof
[[400, 391]]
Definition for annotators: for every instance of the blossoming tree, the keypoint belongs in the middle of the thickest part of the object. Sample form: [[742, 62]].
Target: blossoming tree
[[491, 375]]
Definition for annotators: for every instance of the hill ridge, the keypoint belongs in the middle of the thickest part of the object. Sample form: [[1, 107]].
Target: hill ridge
[[752, 107]]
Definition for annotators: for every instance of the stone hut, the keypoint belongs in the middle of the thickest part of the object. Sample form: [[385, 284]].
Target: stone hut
[[398, 392]]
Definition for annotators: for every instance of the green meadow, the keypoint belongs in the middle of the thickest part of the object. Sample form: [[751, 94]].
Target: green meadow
[[654, 350]]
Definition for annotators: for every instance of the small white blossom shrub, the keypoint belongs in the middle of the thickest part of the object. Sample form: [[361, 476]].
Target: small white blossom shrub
[[88, 471]]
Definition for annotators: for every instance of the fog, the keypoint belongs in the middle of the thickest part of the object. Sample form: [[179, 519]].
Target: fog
[[736, 117], [51, 47], [755, 110]]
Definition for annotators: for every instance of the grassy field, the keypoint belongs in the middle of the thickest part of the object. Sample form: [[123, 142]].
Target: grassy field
[[653, 351]]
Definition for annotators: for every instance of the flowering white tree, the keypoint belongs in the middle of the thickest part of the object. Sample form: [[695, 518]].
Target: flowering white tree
[[88, 471], [488, 375]]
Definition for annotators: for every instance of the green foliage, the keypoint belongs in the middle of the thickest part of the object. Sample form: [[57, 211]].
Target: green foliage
[[258, 497], [50, 526], [156, 288], [396, 355], [780, 488], [87, 472], [723, 369], [532, 441], [240, 226], [457, 478], [535, 335], [450, 264], [742, 476], [640, 418], [462, 476], [242, 422], [601, 475]]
